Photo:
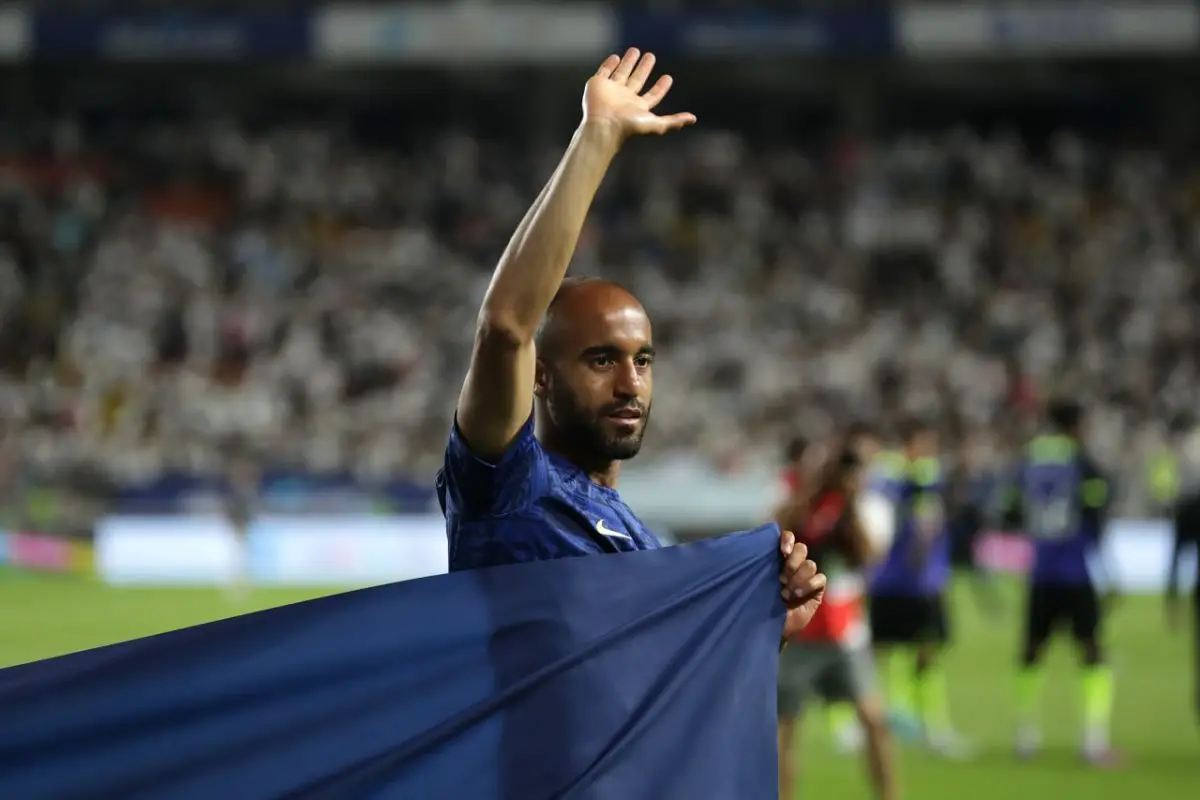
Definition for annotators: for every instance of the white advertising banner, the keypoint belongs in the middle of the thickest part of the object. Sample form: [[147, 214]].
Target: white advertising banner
[[463, 33], [353, 550], [1135, 556], [1047, 28], [294, 551], [166, 550]]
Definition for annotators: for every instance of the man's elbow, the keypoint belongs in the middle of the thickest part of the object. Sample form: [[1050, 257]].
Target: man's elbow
[[496, 397], [500, 331]]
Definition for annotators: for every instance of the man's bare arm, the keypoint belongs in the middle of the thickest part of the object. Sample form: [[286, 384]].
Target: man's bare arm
[[497, 394], [789, 514], [862, 549]]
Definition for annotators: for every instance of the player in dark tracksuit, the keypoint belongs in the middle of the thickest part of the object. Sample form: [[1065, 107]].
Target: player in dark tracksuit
[[1059, 499], [1187, 533], [241, 506], [908, 616]]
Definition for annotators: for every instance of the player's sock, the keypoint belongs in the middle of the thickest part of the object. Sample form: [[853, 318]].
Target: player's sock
[[841, 716], [901, 683], [1029, 692], [1098, 689], [844, 729], [937, 730], [935, 701]]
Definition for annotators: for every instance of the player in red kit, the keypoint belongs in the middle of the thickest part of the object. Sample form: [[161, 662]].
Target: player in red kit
[[795, 466], [832, 656]]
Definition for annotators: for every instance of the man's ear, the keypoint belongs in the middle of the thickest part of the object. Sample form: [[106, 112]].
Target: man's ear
[[541, 379]]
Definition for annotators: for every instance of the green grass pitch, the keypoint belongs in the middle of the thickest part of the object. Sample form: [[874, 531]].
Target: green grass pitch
[[47, 616]]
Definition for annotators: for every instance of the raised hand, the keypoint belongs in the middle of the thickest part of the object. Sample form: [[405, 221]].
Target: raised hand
[[613, 96], [803, 585]]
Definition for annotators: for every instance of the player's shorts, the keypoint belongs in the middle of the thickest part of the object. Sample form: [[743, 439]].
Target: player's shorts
[[830, 671], [1051, 606], [907, 620]]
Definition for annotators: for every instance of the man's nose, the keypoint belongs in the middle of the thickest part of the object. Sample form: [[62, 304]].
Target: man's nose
[[628, 383]]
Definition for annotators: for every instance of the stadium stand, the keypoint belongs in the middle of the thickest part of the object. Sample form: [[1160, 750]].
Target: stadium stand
[[304, 277]]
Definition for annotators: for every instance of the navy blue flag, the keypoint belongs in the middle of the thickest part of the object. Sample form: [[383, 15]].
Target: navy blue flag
[[635, 675]]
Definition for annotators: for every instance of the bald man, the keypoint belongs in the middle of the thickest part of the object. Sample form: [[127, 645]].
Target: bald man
[[517, 486]]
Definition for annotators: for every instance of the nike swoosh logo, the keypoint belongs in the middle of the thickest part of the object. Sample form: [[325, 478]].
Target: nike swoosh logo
[[604, 530]]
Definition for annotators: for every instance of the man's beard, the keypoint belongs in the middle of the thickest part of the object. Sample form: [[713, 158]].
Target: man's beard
[[585, 429]]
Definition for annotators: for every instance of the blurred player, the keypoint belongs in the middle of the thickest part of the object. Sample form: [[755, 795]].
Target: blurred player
[[864, 441], [875, 509], [795, 465], [558, 391], [1059, 499], [241, 506], [1187, 535], [832, 656], [10, 487], [909, 623], [803, 460], [878, 517], [974, 488]]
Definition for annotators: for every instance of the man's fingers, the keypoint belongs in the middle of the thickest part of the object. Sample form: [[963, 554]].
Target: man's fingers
[[641, 73], [677, 121], [628, 62], [608, 65], [794, 565], [658, 91], [810, 587], [795, 554], [796, 570], [798, 592]]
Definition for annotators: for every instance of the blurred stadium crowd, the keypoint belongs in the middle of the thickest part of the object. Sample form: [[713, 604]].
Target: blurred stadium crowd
[[168, 288]]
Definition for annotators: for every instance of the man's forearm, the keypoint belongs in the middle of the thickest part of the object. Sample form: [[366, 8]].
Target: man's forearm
[[536, 259], [862, 548]]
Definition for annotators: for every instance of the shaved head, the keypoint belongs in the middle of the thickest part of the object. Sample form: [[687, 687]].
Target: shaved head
[[577, 303], [593, 384]]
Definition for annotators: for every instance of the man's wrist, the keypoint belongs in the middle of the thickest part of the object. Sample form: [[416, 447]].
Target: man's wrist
[[604, 136]]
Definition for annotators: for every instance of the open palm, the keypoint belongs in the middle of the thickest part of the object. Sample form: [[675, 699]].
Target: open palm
[[614, 96]]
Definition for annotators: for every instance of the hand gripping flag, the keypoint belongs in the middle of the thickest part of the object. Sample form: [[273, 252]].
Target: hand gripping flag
[[638, 676]]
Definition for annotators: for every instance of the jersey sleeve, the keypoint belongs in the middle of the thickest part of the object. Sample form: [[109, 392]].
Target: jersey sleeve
[[480, 490]]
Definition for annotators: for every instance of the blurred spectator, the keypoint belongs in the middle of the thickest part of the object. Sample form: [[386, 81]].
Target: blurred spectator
[[313, 293]]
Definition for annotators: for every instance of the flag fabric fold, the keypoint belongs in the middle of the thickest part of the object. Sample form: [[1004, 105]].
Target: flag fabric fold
[[639, 675]]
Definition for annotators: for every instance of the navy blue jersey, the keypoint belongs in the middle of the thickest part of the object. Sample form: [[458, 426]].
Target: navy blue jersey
[[531, 505], [1059, 499], [918, 563]]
